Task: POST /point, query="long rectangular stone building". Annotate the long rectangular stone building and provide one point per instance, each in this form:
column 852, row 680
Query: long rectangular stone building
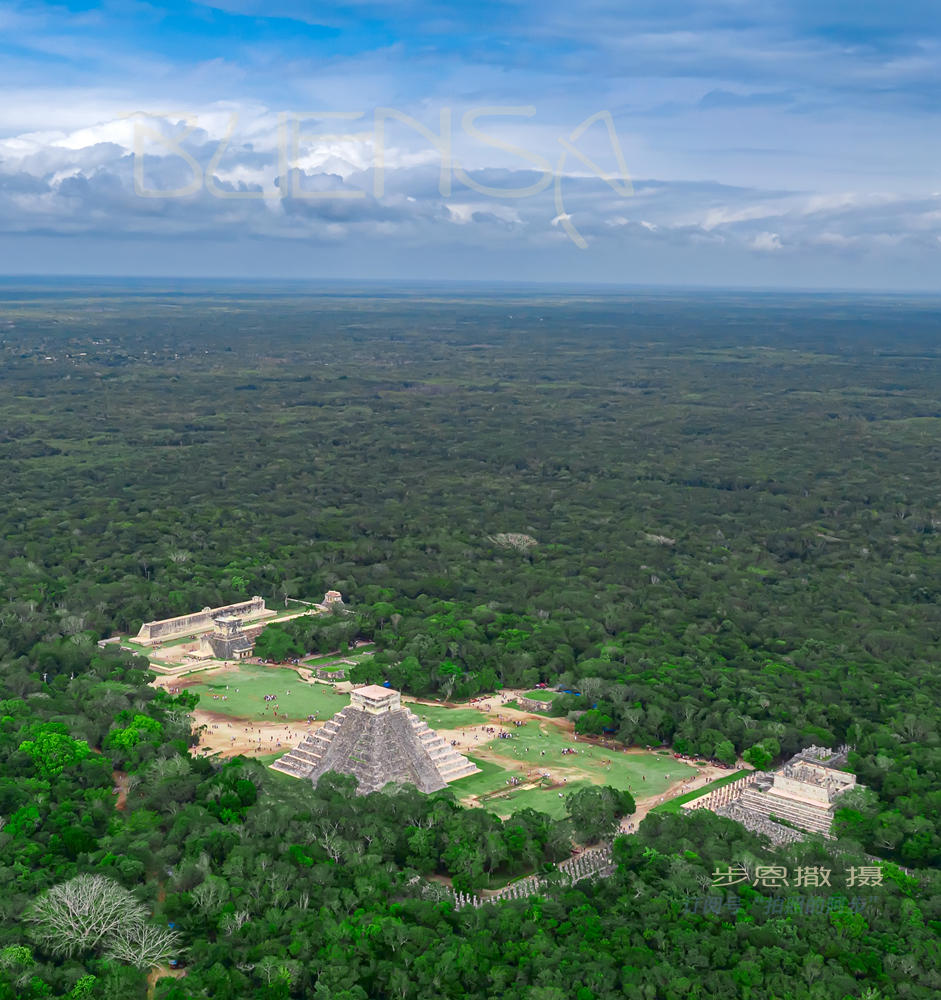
column 152, row 633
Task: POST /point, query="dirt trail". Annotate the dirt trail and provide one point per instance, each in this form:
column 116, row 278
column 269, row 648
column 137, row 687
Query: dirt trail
column 120, row 786
column 230, row 736
column 706, row 775
column 161, row 972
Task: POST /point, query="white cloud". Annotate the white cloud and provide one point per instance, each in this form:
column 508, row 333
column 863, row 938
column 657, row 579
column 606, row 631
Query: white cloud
column 82, row 180
column 766, row 241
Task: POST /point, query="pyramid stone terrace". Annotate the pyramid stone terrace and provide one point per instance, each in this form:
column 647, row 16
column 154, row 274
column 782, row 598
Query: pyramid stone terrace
column 803, row 792
column 228, row 641
column 378, row 741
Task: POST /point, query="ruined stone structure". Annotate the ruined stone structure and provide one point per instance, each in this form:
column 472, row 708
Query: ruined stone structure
column 803, row 793
column 153, row 633
column 378, row 741
column 595, row 863
column 332, row 601
column 228, row 641
column 534, row 704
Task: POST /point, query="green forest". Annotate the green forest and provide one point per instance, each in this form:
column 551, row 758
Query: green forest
column 713, row 518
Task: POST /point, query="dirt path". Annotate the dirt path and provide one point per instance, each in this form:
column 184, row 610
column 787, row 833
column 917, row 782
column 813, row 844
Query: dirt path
column 229, row 737
column 120, row 786
column 161, row 972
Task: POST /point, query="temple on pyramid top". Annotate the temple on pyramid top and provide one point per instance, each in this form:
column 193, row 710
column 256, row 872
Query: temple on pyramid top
column 378, row 741
column 375, row 699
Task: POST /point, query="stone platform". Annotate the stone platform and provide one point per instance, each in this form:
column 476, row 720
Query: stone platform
column 804, row 793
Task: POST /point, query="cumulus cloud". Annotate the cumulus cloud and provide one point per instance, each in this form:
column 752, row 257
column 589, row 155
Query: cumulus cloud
column 166, row 177
column 766, row 241
column 784, row 108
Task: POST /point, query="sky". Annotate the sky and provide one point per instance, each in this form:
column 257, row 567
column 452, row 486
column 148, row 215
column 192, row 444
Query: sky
column 637, row 142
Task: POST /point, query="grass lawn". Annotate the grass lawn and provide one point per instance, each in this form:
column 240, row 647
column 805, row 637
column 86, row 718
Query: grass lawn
column 543, row 694
column 363, row 653
column 490, row 778
column 674, row 805
column 641, row 774
column 183, row 640
column 544, row 800
column 253, row 682
column 439, row 717
column 581, row 769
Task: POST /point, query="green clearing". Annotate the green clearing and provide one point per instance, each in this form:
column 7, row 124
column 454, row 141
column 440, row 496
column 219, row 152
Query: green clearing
column 534, row 745
column 491, row 778
column 541, row 744
column 673, row 806
column 323, row 658
column 181, row 641
column 542, row 694
column 439, row 717
column 545, row 800
column 245, row 688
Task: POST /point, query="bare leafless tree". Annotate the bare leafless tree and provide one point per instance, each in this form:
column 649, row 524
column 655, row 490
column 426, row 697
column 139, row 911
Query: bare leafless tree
column 143, row 945
column 327, row 836
column 210, row 894
column 231, row 922
column 79, row 914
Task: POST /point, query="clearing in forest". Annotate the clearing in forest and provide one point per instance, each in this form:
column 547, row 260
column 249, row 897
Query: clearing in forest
column 533, row 754
column 239, row 692
column 238, row 719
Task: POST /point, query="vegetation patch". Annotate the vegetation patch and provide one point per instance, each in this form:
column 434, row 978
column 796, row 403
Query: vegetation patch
column 240, row 693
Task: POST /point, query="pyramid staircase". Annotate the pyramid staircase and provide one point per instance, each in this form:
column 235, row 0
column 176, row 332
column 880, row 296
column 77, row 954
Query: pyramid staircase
column 393, row 746
column 812, row 818
column 450, row 764
column 309, row 754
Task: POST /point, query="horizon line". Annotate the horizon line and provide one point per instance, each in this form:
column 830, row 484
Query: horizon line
column 481, row 284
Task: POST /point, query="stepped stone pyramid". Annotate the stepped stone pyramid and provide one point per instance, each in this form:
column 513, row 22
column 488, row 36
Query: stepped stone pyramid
column 377, row 740
column 805, row 792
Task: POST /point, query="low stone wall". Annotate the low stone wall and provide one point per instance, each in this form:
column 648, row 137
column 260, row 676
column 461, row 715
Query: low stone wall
column 595, row 863
column 531, row 705
column 174, row 628
column 330, row 675
column 723, row 796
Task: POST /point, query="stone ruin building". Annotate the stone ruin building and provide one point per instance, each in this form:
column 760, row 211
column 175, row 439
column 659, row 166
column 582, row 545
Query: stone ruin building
column 154, row 633
column 228, row 641
column 378, row 741
column 803, row 792
column 332, row 600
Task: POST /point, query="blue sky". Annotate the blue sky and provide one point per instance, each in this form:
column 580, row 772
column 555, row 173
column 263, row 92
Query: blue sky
column 734, row 142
